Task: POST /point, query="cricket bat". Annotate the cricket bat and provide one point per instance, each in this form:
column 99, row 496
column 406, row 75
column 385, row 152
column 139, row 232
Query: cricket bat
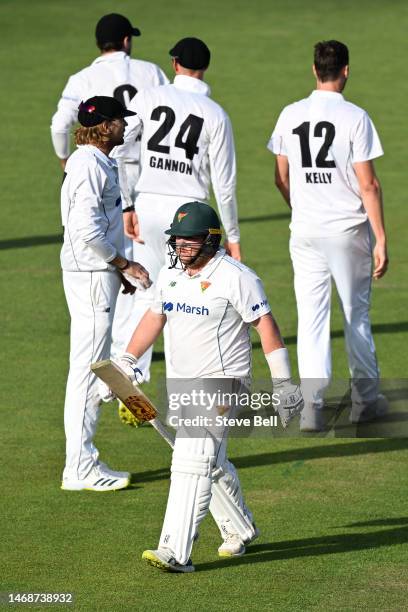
column 134, row 399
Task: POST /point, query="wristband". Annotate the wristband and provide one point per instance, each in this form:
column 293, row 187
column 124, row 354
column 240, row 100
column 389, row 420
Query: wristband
column 279, row 364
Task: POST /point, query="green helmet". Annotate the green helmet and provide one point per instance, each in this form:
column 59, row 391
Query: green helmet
column 195, row 219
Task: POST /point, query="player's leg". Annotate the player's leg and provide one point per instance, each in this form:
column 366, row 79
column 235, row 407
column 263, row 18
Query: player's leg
column 351, row 266
column 313, row 294
column 91, row 301
column 232, row 516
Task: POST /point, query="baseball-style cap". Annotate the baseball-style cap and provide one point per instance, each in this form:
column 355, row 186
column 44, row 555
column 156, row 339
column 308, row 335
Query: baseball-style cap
column 191, row 53
column 195, row 219
column 114, row 28
column 101, row 108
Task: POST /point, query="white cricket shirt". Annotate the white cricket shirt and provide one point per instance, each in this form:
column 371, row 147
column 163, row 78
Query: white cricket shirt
column 187, row 145
column 323, row 136
column 91, row 211
column 112, row 74
column 209, row 316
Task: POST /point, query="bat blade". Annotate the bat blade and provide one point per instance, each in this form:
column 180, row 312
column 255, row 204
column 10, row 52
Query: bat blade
column 133, row 398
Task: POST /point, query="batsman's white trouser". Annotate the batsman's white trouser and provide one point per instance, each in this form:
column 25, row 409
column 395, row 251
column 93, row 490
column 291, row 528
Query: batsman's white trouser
column 346, row 258
column 155, row 214
column 91, row 298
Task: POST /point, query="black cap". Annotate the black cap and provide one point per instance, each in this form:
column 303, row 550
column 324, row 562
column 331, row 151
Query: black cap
column 114, row 28
column 191, row 53
column 101, row 108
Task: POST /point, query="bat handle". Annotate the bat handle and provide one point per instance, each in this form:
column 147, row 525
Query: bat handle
column 160, row 428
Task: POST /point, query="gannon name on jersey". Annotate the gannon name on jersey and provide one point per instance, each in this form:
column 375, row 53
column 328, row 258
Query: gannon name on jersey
column 170, row 164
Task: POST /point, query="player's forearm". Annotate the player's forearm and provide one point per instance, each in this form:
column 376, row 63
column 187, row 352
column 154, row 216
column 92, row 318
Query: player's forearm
column 282, row 177
column 269, row 333
column 146, row 333
column 373, row 205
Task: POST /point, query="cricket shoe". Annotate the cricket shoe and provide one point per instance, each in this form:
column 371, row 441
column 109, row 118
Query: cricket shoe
column 115, row 474
column 97, row 480
column 312, row 419
column 233, row 546
column 127, row 417
column 370, row 412
column 163, row 558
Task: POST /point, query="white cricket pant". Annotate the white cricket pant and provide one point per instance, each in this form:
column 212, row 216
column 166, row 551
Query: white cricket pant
column 91, row 299
column 155, row 214
column 346, row 258
column 199, row 466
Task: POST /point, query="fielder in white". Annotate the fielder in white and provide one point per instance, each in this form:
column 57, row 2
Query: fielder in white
column 209, row 301
column 92, row 259
column 324, row 149
column 114, row 73
column 186, row 145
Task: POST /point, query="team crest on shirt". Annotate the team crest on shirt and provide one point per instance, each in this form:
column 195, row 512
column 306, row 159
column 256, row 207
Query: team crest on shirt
column 181, row 216
column 204, row 285
column 172, row 283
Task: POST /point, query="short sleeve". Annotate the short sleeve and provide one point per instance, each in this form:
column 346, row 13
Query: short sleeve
column 157, row 304
column 365, row 141
column 248, row 297
column 276, row 142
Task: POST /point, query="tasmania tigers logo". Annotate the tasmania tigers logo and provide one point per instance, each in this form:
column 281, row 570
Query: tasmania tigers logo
column 181, row 216
column 204, row 285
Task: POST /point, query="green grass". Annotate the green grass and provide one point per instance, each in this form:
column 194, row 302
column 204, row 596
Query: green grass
column 332, row 512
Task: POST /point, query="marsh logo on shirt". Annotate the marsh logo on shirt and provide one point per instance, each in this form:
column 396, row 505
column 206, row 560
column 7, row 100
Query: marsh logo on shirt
column 167, row 306
column 256, row 307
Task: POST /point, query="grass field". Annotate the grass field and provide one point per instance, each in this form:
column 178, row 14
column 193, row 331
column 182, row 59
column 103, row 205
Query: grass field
column 333, row 512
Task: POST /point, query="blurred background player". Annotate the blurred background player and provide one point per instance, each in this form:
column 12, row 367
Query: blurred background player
column 209, row 301
column 324, row 149
column 186, row 146
column 114, row 73
column 92, row 263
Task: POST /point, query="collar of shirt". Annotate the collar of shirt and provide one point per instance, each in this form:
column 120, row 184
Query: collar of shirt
column 323, row 93
column 110, row 57
column 182, row 81
column 209, row 267
column 98, row 153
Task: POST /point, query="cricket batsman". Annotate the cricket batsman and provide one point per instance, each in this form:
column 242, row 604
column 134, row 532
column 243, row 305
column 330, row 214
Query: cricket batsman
column 209, row 301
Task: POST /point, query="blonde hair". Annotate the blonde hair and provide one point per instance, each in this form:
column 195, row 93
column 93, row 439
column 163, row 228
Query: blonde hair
column 96, row 135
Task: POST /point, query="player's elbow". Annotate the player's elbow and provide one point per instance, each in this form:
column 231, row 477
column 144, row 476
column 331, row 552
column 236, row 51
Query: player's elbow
column 370, row 187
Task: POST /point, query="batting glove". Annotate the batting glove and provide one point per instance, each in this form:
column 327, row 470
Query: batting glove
column 128, row 363
column 290, row 400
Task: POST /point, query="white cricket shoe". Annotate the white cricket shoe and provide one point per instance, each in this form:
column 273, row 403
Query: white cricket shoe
column 233, row 546
column 370, row 412
column 312, row 418
column 115, row 474
column 97, row 480
column 163, row 558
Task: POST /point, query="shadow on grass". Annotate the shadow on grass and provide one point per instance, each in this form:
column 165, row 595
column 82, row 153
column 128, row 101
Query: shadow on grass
column 261, row 218
column 321, row 452
column 30, row 241
column 314, row 547
column 291, row 455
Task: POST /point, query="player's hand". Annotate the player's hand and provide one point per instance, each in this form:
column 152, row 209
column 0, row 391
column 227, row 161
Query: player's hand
column 105, row 393
column 290, row 400
column 131, row 226
column 380, row 257
column 233, row 249
column 128, row 288
column 138, row 272
column 128, row 363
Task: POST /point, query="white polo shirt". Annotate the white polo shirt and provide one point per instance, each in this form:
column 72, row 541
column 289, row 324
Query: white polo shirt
column 323, row 136
column 187, row 145
column 209, row 316
column 111, row 74
column 91, row 211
